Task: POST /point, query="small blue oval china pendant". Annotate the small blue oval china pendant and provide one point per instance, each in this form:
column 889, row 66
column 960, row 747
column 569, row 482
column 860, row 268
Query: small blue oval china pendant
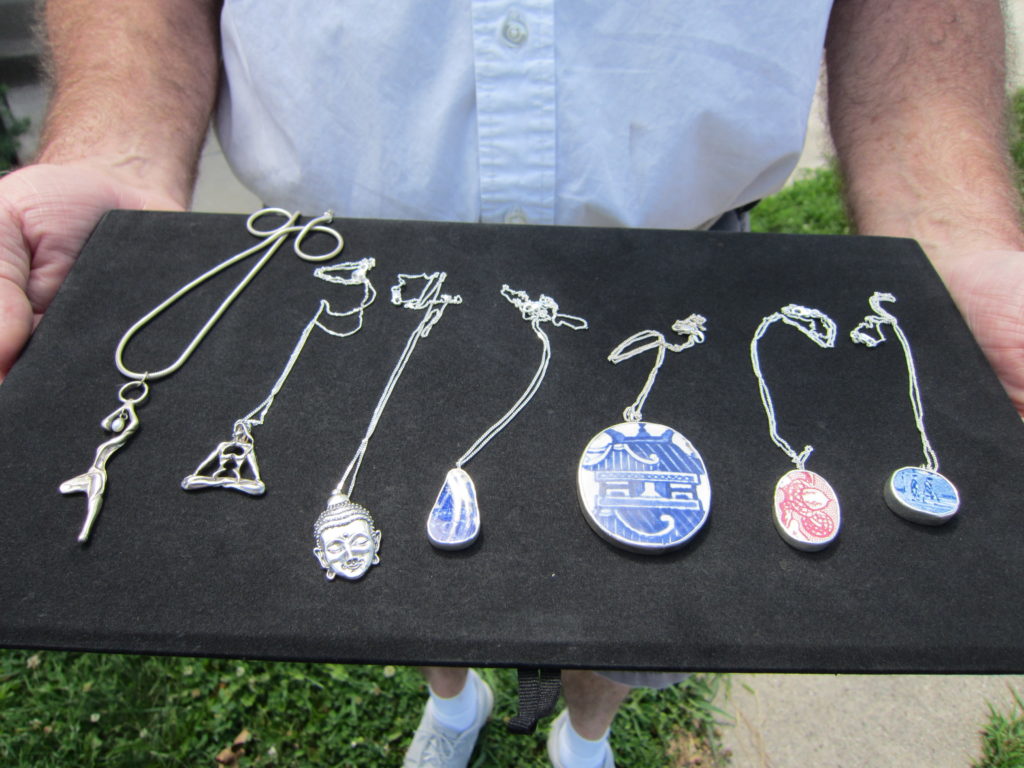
column 454, row 521
column 921, row 496
column 643, row 487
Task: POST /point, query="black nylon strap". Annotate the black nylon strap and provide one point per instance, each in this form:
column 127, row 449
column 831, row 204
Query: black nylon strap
column 538, row 693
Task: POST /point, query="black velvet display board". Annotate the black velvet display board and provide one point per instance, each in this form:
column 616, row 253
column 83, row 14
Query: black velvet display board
column 219, row 573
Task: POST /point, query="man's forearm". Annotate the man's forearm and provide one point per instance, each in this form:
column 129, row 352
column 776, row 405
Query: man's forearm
column 917, row 110
column 134, row 86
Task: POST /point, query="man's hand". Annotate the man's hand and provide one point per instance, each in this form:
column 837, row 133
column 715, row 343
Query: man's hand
column 46, row 213
column 988, row 287
column 917, row 109
column 134, row 84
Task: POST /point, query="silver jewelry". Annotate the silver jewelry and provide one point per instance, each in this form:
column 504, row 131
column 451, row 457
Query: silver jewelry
column 919, row 494
column 806, row 508
column 232, row 464
column 642, row 485
column 346, row 539
column 123, row 421
column 454, row 520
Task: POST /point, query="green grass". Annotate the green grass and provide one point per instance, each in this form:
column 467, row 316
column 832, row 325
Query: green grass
column 812, row 204
column 1003, row 737
column 61, row 709
column 1017, row 135
column 10, row 130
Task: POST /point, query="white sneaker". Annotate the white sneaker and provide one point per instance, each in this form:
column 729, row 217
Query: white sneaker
column 436, row 746
column 560, row 722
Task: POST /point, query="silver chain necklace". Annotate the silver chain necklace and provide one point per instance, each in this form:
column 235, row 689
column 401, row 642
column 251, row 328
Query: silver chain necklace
column 454, row 520
column 346, row 539
column 806, row 509
column 123, row 421
column 919, row 494
column 232, row 464
column 642, row 485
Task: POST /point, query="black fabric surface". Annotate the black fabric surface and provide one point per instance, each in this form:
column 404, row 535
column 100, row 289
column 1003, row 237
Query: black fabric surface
column 220, row 573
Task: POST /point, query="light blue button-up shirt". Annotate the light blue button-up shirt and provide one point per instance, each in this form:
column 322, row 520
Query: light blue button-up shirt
column 642, row 113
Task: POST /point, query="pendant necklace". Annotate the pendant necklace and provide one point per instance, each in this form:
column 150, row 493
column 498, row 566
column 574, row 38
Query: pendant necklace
column 919, row 494
column 347, row 541
column 806, row 508
column 123, row 421
column 642, row 485
column 232, row 464
column 454, row 520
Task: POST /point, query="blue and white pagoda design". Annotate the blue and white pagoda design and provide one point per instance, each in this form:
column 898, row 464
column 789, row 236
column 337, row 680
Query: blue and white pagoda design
column 644, row 487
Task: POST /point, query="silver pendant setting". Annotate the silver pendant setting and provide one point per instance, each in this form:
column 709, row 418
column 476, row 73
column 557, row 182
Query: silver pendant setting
column 232, row 464
column 123, row 422
column 347, row 542
column 643, row 487
column 921, row 496
column 806, row 510
column 454, row 521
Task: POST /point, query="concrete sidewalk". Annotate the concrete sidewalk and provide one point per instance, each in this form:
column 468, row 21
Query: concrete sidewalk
column 848, row 721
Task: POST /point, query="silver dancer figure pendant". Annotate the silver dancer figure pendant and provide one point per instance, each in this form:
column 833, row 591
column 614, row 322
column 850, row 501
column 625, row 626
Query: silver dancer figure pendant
column 918, row 494
column 642, row 485
column 124, row 423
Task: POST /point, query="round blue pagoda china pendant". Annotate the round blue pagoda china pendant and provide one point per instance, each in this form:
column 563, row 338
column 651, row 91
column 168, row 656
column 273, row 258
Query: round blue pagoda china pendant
column 454, row 520
column 643, row 487
column 921, row 496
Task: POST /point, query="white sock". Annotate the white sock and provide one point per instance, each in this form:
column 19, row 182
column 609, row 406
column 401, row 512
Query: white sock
column 458, row 712
column 578, row 752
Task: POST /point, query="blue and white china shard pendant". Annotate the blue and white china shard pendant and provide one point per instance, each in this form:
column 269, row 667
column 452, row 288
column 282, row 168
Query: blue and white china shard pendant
column 918, row 494
column 921, row 496
column 644, row 487
column 454, row 521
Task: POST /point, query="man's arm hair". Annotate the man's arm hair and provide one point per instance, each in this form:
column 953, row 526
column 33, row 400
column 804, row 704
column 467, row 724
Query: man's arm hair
column 134, row 84
column 917, row 107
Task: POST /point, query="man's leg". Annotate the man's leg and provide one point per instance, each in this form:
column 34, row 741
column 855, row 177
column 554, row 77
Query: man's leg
column 458, row 707
column 592, row 701
column 446, row 682
column 579, row 736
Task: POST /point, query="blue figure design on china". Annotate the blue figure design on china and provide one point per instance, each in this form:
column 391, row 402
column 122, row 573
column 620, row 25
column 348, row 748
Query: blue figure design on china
column 922, row 496
column 918, row 494
column 644, row 487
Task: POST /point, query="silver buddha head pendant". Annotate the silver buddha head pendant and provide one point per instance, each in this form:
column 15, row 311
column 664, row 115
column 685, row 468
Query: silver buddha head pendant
column 346, row 540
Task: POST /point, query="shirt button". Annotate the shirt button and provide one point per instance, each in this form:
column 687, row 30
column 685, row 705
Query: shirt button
column 516, row 216
column 514, row 30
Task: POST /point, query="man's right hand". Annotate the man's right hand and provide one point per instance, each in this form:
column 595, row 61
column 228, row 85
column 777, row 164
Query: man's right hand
column 46, row 214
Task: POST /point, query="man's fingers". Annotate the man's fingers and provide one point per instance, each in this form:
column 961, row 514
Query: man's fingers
column 16, row 324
